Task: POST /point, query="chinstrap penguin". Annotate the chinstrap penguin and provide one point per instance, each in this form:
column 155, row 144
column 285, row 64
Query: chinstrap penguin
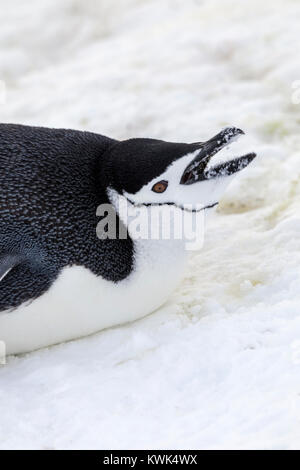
column 58, row 279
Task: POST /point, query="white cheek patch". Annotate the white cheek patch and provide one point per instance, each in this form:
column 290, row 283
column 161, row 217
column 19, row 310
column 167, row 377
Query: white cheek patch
column 194, row 196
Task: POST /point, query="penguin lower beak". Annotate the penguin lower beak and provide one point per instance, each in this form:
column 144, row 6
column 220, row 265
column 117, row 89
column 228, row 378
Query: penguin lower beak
column 197, row 169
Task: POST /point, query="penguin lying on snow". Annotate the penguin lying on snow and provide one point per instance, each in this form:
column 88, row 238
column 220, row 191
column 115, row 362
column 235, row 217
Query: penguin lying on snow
column 58, row 280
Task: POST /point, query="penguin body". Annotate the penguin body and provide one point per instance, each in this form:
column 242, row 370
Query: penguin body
column 58, row 279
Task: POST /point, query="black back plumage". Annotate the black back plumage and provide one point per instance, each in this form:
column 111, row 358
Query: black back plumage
column 49, row 192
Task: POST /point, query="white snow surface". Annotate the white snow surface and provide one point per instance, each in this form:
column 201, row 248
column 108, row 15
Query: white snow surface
column 219, row 365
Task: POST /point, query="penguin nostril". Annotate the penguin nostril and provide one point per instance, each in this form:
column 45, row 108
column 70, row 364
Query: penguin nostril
column 187, row 176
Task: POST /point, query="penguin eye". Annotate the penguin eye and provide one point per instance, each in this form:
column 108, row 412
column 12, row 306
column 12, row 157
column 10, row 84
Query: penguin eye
column 160, row 187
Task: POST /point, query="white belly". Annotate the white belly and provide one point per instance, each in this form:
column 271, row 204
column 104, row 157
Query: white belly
column 80, row 303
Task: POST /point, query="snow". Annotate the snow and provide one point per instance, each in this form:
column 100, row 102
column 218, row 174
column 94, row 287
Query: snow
column 218, row 366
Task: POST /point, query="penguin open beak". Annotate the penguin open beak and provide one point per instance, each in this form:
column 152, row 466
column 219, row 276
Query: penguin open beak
column 197, row 169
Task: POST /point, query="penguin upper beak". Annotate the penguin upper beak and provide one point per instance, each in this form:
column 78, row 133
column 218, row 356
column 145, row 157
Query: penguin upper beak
column 196, row 170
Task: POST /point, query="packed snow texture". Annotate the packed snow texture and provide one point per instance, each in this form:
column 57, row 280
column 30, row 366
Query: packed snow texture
column 219, row 365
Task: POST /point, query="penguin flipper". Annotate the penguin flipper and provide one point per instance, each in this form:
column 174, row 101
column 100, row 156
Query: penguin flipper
column 23, row 278
column 8, row 262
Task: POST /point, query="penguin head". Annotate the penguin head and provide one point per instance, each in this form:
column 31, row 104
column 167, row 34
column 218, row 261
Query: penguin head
column 150, row 172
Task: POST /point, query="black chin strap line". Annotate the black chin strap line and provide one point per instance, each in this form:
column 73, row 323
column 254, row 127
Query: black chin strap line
column 147, row 204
